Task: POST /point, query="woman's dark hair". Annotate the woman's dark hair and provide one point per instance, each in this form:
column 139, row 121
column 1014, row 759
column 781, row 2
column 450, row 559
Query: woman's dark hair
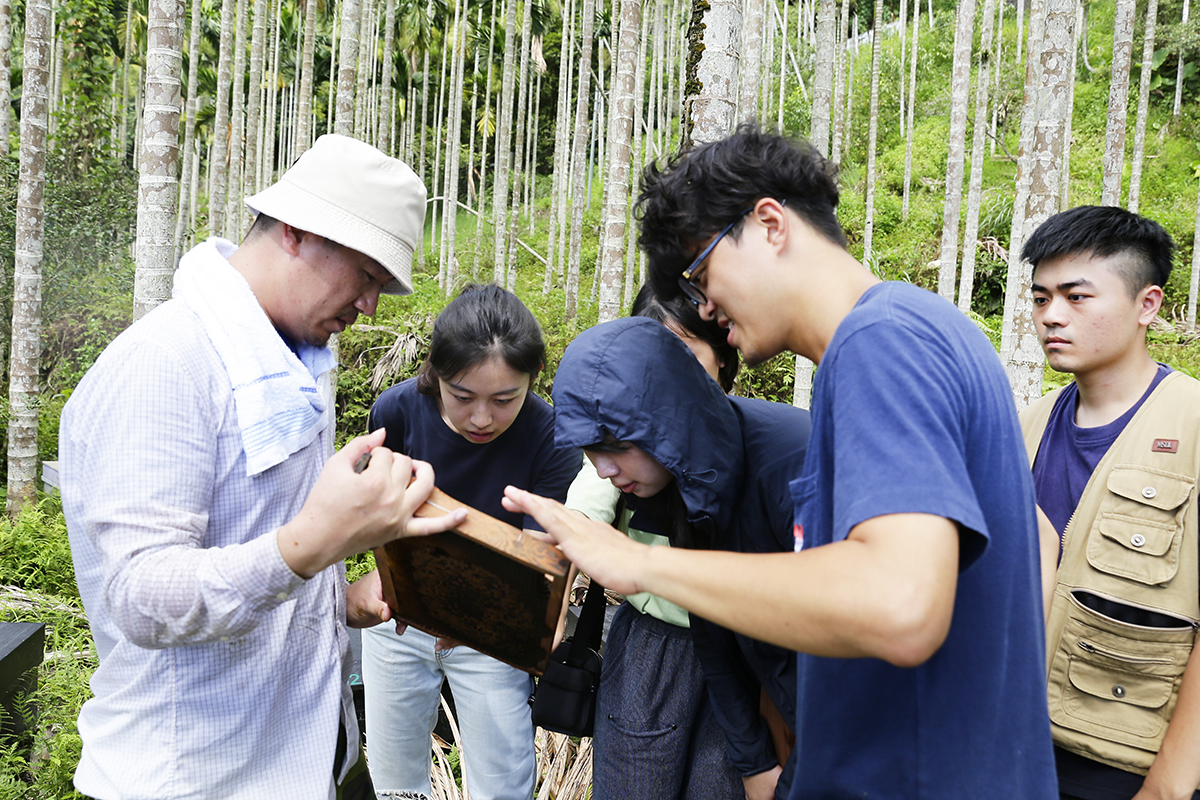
column 482, row 322
column 682, row 533
column 680, row 312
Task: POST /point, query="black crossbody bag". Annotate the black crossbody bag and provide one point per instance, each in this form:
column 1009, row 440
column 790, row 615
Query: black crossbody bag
column 564, row 699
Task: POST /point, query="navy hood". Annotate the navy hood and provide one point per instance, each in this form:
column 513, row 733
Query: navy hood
column 636, row 380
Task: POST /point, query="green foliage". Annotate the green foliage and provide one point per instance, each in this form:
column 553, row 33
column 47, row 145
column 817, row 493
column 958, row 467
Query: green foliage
column 35, row 556
column 34, row 551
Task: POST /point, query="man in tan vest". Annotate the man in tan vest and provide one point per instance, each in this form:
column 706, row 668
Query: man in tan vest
column 1115, row 457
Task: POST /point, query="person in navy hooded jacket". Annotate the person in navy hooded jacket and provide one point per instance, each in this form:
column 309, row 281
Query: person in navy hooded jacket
column 707, row 471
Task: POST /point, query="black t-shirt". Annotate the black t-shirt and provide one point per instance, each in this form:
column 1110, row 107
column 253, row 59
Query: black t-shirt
column 524, row 456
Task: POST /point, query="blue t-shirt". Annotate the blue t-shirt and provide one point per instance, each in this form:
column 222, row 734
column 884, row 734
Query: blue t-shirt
column 524, row 456
column 912, row 413
column 1068, row 454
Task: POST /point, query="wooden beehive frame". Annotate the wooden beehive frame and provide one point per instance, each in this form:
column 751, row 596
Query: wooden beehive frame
column 486, row 584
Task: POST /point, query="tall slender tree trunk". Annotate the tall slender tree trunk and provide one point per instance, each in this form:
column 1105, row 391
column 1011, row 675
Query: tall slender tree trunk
column 912, row 102
column 751, row 68
column 839, row 105
column 383, row 139
column 347, row 68
column 1064, row 192
column 366, row 49
column 27, row 273
column 1038, row 180
column 158, row 188
column 504, row 146
column 271, row 128
column 709, row 111
column 1118, row 103
column 187, row 194
column 639, row 150
column 454, row 137
column 978, row 143
column 6, row 76
column 486, row 129
column 307, row 78
column 254, row 104
column 235, row 210
column 616, row 207
column 822, row 104
column 1143, row 109
column 783, row 57
column 960, row 95
column 330, row 109
column 872, row 138
column 561, row 151
column 903, row 31
column 219, row 168
column 514, row 214
column 1179, row 68
column 579, row 157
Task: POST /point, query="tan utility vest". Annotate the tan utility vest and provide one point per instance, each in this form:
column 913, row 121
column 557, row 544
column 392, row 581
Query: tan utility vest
column 1112, row 684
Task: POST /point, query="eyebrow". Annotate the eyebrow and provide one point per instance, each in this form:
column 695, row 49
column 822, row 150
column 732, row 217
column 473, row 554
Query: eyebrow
column 1065, row 285
column 465, row 390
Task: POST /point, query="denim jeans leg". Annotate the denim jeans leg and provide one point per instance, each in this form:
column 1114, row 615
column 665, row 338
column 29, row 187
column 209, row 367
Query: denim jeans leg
column 491, row 702
column 402, row 682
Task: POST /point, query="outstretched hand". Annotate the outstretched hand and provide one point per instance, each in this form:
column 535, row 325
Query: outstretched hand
column 610, row 557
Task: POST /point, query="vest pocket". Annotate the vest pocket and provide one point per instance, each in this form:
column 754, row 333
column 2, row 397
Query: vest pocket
column 1114, row 681
column 1138, row 530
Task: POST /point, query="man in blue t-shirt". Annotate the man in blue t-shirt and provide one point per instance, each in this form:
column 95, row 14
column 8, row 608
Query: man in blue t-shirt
column 1128, row 575
column 914, row 596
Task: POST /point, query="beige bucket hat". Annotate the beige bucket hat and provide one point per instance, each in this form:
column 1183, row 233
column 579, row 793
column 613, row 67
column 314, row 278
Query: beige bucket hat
column 349, row 192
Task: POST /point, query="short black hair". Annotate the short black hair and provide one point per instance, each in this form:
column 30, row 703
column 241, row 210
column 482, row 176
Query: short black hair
column 679, row 311
column 482, row 322
column 1105, row 231
column 702, row 190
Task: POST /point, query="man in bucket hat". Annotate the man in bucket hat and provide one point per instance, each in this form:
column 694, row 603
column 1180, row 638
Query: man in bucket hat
column 208, row 522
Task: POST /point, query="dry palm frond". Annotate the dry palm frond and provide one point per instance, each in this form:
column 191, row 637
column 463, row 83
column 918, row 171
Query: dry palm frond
column 404, row 351
column 564, row 766
column 14, row 597
column 579, row 779
column 442, row 780
column 991, row 245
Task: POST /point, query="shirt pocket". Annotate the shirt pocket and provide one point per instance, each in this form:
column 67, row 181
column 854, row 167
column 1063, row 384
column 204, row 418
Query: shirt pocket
column 1116, row 681
column 804, row 491
column 1139, row 528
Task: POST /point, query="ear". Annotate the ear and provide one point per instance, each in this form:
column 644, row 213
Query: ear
column 768, row 212
column 290, row 238
column 1150, row 301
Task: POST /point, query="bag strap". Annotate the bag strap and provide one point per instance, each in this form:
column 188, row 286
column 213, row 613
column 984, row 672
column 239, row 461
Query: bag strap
column 589, row 630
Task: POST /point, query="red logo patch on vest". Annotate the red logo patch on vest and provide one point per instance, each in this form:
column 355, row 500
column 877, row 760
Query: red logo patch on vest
column 798, row 532
column 1165, row 446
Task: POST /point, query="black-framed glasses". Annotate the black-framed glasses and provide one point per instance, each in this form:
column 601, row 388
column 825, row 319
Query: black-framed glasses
column 690, row 290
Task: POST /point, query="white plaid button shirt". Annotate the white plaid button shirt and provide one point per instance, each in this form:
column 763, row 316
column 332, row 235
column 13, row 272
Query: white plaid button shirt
column 222, row 673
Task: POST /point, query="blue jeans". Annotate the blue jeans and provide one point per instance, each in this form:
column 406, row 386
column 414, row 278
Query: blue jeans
column 402, row 681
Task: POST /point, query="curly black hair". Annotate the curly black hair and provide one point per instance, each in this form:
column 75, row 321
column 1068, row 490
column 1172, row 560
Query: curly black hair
column 702, row 190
